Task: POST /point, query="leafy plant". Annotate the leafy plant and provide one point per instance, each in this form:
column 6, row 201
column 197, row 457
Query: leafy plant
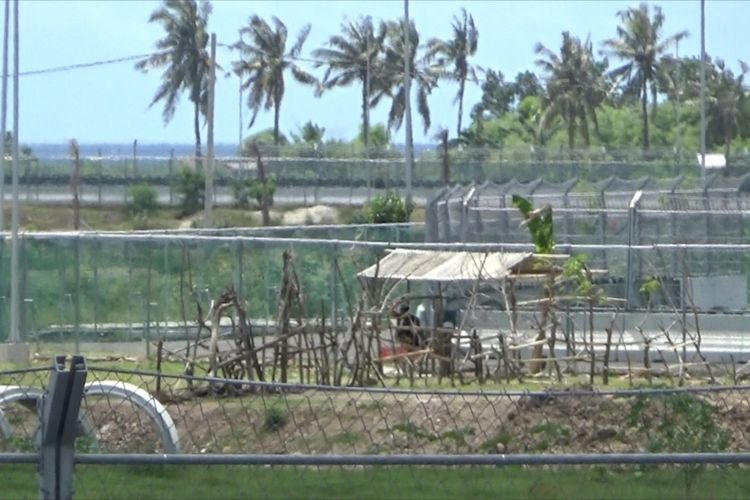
column 650, row 287
column 257, row 189
column 379, row 137
column 389, row 208
column 21, row 444
column 275, row 419
column 575, row 270
column 413, row 430
column 459, row 436
column 539, row 222
column 347, row 438
column 550, row 433
column 142, row 201
column 191, row 186
column 680, row 423
column 492, row 445
column 310, row 133
column 241, row 193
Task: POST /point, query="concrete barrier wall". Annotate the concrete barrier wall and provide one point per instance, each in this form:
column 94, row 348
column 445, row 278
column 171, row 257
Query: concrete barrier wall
column 625, row 322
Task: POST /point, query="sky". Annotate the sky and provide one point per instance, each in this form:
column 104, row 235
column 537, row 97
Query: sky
column 110, row 103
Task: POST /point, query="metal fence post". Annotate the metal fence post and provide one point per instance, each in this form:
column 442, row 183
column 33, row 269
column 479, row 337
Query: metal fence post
column 467, row 200
column 77, row 296
column 100, row 176
column 171, row 177
column 59, row 420
column 238, row 264
column 334, row 288
column 633, row 236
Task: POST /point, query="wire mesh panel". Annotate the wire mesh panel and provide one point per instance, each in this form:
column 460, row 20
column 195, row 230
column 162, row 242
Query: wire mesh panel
column 276, row 440
column 215, row 416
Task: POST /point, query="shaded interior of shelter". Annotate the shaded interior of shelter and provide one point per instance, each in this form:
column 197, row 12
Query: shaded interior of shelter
column 444, row 283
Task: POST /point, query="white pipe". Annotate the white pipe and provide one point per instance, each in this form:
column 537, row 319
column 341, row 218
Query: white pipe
column 208, row 195
column 407, row 98
column 703, row 92
column 15, row 271
column 4, row 113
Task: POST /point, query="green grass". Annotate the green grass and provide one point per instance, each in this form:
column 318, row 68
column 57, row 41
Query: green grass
column 385, row 482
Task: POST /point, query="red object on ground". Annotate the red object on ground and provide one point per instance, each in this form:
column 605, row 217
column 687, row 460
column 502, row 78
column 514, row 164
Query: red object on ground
column 387, row 350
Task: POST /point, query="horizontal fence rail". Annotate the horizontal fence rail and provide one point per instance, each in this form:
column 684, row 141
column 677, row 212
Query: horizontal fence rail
column 230, row 422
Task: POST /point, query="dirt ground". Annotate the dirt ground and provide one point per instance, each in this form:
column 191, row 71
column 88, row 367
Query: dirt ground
column 356, row 422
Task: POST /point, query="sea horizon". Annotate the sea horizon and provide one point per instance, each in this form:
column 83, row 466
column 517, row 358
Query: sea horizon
column 145, row 150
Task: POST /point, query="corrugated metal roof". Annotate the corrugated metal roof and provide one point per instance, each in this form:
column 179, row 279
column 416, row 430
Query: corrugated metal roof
column 429, row 265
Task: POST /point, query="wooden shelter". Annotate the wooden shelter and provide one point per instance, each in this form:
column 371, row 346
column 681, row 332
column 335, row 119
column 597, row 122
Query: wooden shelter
column 433, row 266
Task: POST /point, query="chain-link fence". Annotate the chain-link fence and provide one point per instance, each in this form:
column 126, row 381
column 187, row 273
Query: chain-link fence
column 668, row 210
column 305, row 174
column 618, row 216
column 118, row 287
column 123, row 428
column 125, row 286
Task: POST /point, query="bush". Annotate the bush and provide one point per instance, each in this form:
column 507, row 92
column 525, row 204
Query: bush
column 275, row 419
column 142, row 201
column 191, row 186
column 389, row 208
column 241, row 193
column 257, row 188
column 246, row 189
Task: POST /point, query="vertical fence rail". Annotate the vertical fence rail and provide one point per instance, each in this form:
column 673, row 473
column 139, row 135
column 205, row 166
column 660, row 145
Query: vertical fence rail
column 59, row 420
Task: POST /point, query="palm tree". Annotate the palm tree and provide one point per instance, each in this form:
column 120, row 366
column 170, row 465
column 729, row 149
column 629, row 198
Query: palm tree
column 423, row 74
column 183, row 55
column 528, row 126
column 497, row 96
column 354, row 56
column 310, row 133
column 575, row 86
column 265, row 60
column 726, row 97
column 456, row 52
column 639, row 42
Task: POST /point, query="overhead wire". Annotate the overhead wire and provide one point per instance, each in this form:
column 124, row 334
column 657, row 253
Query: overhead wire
column 70, row 67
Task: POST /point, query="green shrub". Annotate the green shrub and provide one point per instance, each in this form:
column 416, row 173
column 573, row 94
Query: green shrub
column 246, row 189
column 191, row 186
column 389, row 208
column 241, row 193
column 275, row 419
column 679, row 423
column 142, row 201
column 257, row 188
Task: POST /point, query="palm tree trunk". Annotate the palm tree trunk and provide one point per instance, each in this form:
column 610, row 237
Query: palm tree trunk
column 571, row 131
column 446, row 174
column 644, row 111
column 276, row 110
column 197, row 128
column 365, row 117
column 460, row 106
column 727, row 142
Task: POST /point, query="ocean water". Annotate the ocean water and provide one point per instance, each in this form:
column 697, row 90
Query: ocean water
column 50, row 151
column 125, row 150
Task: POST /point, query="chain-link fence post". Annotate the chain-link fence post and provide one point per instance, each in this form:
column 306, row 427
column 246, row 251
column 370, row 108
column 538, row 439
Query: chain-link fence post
column 59, row 420
column 633, row 239
column 334, row 287
column 171, row 179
